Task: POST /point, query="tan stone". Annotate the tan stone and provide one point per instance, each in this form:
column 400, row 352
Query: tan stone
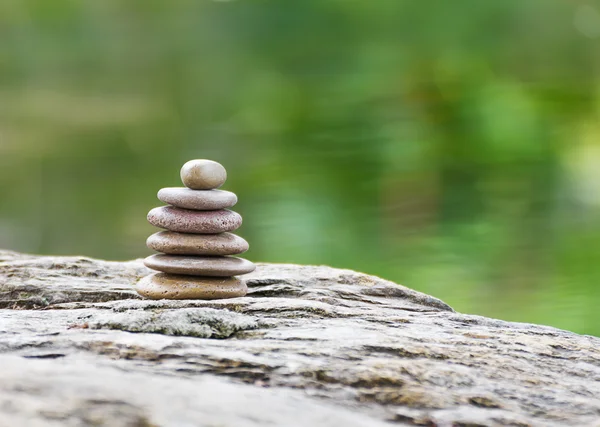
column 201, row 200
column 171, row 242
column 169, row 286
column 200, row 265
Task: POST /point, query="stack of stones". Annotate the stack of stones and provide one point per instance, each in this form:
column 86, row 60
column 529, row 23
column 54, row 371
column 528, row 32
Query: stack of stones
column 196, row 261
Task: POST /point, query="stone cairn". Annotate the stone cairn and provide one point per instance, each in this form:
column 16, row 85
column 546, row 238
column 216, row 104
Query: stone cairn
column 196, row 261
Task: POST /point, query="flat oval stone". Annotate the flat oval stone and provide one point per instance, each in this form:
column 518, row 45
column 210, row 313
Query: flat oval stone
column 200, row 222
column 169, row 286
column 201, row 200
column 202, row 174
column 171, row 242
column 200, row 265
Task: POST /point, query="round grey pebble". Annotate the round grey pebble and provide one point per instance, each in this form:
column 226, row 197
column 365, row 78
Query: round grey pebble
column 200, row 266
column 198, row 222
column 201, row 200
column 203, row 174
column 171, row 242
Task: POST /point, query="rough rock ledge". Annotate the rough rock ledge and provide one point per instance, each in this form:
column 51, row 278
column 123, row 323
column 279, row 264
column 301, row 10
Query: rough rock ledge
column 308, row 346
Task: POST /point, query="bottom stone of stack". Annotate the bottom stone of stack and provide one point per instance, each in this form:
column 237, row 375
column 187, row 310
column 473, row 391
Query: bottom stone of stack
column 171, row 286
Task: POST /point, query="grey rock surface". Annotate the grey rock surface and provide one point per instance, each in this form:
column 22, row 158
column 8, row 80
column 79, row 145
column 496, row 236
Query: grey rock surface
column 308, row 346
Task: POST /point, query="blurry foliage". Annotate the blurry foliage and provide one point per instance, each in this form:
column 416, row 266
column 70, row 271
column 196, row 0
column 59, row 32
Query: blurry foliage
column 452, row 146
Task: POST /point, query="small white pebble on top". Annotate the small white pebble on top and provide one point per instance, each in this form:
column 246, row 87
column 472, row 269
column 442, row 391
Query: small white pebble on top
column 203, row 174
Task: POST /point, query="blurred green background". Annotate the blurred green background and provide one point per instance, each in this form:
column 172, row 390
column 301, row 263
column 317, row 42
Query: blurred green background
column 451, row 146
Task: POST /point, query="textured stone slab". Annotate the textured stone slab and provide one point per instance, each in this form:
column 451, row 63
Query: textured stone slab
column 200, row 266
column 171, row 242
column 307, row 346
column 168, row 286
column 202, row 200
column 79, row 391
column 188, row 221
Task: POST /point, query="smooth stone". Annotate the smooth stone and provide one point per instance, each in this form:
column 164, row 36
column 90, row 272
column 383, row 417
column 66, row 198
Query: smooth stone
column 203, row 174
column 169, row 286
column 200, row 265
column 199, row 222
column 171, row 242
column 201, row 200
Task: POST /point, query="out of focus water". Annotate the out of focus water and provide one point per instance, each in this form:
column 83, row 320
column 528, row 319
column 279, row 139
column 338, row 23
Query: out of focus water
column 453, row 147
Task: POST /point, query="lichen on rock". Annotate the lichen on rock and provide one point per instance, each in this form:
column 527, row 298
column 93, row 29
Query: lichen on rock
column 201, row 322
